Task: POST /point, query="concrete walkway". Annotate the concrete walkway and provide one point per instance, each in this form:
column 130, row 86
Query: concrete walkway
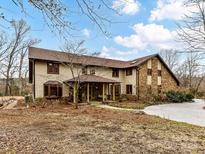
column 11, row 105
column 192, row 113
column 115, row 108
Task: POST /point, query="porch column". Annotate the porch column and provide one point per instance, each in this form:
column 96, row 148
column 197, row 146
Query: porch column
column 74, row 93
column 103, row 92
column 91, row 92
column 69, row 90
column 88, row 93
column 113, row 92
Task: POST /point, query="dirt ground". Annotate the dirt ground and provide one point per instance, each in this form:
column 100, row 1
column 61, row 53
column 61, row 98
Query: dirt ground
column 88, row 129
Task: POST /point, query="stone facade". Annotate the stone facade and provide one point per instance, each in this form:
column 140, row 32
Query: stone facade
column 167, row 80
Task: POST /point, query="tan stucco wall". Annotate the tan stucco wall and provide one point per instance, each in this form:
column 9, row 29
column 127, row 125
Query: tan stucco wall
column 41, row 77
column 131, row 79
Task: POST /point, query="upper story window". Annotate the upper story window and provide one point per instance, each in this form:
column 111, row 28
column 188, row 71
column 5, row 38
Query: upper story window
column 52, row 68
column 84, row 71
column 149, row 72
column 115, row 72
column 159, row 72
column 92, row 71
column 128, row 71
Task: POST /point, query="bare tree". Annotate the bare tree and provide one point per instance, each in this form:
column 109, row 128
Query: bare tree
column 23, row 68
column 171, row 58
column 191, row 31
column 74, row 52
column 191, row 72
column 15, row 45
column 57, row 13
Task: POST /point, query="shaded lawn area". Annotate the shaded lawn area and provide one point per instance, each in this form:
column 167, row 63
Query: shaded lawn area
column 94, row 130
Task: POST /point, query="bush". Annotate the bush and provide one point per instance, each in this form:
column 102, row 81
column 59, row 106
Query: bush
column 189, row 97
column 179, row 97
column 127, row 97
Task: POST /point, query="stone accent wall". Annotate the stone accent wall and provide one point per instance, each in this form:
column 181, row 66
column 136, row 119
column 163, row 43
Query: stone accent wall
column 167, row 81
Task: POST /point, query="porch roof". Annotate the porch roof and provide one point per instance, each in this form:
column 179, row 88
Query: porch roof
column 52, row 83
column 92, row 78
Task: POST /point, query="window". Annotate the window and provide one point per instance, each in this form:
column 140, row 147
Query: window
column 52, row 90
column 115, row 72
column 92, row 71
column 129, row 72
column 31, row 71
column 117, row 90
column 52, row 68
column 159, row 89
column 159, row 73
column 84, row 71
column 149, row 72
column 128, row 89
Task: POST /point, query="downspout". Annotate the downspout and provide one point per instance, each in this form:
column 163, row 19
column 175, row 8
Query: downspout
column 138, row 83
column 34, row 80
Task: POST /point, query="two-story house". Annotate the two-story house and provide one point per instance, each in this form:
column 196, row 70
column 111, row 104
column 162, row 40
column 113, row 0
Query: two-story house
column 55, row 74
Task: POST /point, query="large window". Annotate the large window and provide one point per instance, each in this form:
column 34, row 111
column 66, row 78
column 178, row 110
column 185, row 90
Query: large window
column 52, row 68
column 52, row 90
column 128, row 89
column 115, row 72
column 129, row 72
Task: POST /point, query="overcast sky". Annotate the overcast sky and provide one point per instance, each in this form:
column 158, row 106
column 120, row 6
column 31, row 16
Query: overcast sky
column 145, row 27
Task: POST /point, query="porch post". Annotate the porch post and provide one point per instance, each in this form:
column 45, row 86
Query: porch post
column 68, row 90
column 113, row 92
column 91, row 92
column 74, row 93
column 88, row 93
column 103, row 90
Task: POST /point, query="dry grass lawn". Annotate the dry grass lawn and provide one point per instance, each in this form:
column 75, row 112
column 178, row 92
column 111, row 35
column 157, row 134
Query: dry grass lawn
column 63, row 129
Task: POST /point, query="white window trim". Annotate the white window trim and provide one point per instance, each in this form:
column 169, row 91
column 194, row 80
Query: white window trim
column 149, row 64
column 159, row 66
column 149, row 80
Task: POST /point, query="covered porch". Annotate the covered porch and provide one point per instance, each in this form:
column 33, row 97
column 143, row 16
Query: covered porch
column 88, row 88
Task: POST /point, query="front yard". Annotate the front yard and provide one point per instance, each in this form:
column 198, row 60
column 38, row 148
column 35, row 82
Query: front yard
column 94, row 130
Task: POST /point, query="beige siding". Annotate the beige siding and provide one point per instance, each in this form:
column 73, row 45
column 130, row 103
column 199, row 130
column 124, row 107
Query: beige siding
column 41, row 76
column 131, row 79
column 167, row 81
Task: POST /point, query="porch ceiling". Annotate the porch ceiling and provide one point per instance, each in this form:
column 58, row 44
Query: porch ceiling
column 92, row 78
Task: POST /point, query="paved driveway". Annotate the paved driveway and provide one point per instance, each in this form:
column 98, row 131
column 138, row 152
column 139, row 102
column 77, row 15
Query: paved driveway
column 192, row 113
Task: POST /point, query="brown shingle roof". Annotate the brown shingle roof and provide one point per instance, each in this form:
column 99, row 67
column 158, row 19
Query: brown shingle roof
column 53, row 83
column 92, row 78
column 52, row 55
